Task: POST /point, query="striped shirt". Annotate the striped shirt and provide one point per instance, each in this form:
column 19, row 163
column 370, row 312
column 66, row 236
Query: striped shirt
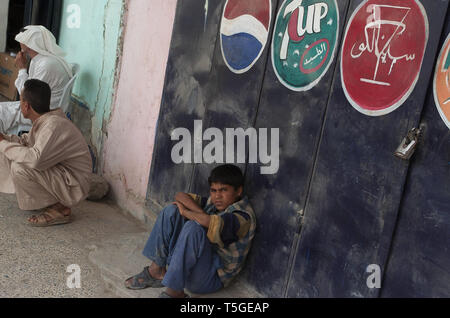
column 232, row 232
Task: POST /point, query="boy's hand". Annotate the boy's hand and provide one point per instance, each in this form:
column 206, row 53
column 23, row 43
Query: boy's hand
column 188, row 202
column 201, row 218
column 181, row 208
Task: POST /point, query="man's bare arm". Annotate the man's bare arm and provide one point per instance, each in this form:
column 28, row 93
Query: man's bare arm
column 200, row 217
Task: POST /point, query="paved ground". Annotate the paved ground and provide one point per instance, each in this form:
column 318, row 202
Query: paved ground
column 104, row 241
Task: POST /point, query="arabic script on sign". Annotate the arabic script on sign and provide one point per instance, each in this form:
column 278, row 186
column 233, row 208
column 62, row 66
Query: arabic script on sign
column 379, row 36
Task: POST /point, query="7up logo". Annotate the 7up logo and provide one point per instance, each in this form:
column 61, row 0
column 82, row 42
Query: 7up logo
column 304, row 43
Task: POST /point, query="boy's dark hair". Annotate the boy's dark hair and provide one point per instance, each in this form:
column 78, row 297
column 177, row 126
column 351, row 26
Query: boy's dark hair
column 38, row 94
column 227, row 174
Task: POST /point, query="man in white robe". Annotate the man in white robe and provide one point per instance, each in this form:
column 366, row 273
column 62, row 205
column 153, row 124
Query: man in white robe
column 49, row 168
column 47, row 64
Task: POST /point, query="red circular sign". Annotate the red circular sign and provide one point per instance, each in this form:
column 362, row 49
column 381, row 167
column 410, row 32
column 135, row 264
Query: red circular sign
column 382, row 54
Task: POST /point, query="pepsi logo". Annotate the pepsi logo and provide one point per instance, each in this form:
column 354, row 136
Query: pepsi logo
column 244, row 32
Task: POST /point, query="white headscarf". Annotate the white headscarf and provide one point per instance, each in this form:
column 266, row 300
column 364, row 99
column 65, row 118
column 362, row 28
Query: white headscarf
column 41, row 40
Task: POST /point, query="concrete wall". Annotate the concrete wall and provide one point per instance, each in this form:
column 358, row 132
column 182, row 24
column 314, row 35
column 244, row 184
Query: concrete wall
column 122, row 47
column 128, row 148
column 94, row 43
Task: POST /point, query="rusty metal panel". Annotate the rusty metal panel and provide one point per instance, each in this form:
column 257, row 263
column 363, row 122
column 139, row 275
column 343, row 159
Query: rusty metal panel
column 358, row 182
column 233, row 101
column 331, row 208
column 280, row 198
column 188, row 71
column 232, row 95
column 419, row 265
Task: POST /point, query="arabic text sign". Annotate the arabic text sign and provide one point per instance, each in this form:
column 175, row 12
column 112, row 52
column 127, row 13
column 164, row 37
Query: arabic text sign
column 382, row 54
column 304, row 42
column 442, row 83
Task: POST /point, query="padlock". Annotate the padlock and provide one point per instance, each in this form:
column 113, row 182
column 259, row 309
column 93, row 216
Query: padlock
column 409, row 144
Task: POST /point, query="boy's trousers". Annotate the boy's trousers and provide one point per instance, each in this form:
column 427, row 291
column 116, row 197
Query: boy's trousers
column 184, row 247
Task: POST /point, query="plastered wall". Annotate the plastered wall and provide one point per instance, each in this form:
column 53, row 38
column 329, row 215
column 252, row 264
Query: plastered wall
column 128, row 148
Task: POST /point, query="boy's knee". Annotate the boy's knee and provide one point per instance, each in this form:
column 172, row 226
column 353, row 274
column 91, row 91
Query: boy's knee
column 170, row 211
column 18, row 170
column 193, row 228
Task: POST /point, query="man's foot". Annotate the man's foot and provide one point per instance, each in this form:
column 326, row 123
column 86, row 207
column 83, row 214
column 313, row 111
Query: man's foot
column 61, row 208
column 143, row 280
column 54, row 215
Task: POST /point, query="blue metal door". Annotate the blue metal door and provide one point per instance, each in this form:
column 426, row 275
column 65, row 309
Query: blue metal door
column 340, row 200
column 419, row 260
column 357, row 187
column 188, row 72
column 279, row 199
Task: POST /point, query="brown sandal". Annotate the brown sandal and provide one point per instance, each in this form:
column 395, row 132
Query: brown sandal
column 50, row 217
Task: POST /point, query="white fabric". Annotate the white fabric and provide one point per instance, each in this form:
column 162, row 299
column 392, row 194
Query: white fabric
column 49, row 70
column 41, row 40
column 48, row 66
column 45, row 68
column 10, row 115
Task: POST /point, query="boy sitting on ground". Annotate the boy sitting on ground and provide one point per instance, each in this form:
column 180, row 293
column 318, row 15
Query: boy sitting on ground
column 197, row 243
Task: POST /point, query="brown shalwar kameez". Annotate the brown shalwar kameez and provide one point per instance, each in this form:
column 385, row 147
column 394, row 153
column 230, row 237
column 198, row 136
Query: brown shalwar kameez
column 50, row 165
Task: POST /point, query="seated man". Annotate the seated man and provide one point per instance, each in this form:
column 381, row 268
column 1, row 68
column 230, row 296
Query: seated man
column 49, row 167
column 47, row 64
column 202, row 242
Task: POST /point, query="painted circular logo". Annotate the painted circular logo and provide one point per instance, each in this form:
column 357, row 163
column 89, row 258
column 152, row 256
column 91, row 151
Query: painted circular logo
column 304, row 42
column 442, row 83
column 244, row 32
column 382, row 54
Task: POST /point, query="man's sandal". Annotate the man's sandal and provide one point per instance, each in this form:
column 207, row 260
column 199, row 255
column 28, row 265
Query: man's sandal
column 142, row 281
column 50, row 217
